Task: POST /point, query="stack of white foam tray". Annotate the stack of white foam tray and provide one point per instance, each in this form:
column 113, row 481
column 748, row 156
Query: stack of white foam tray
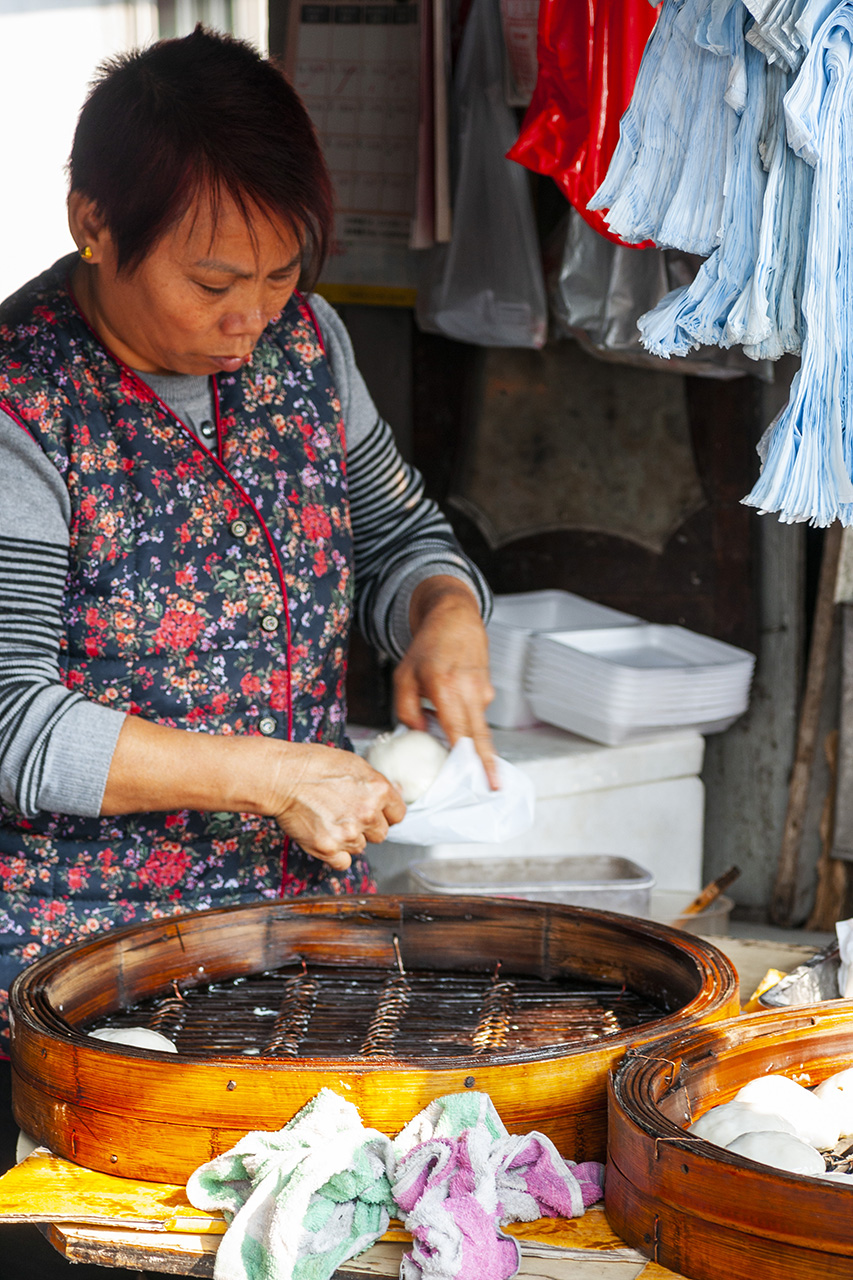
column 618, row 684
column 514, row 622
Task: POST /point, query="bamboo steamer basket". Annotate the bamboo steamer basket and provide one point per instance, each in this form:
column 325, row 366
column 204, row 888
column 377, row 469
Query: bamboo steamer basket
column 158, row 1116
column 698, row 1209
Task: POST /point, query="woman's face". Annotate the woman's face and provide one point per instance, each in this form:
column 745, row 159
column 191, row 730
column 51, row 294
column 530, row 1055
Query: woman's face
column 200, row 299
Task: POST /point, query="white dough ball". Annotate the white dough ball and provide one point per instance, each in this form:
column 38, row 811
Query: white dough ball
column 837, row 1093
column 722, row 1124
column 136, row 1037
column 411, row 760
column 781, row 1150
column 812, row 1118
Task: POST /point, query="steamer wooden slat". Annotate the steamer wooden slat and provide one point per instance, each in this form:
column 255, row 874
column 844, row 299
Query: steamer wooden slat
column 155, row 1116
column 703, row 1210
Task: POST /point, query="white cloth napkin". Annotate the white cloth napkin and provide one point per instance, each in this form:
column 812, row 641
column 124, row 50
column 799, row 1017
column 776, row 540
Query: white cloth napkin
column 461, row 806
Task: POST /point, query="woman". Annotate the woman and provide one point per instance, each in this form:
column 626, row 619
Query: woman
column 182, row 436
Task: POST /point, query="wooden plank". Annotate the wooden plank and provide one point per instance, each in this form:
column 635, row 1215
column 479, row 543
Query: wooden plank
column 583, row 1248
column 842, row 844
column 194, row 1256
column 180, row 1255
column 784, row 890
column 831, row 871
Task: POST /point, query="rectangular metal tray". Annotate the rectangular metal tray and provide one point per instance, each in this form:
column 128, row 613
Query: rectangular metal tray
column 603, row 881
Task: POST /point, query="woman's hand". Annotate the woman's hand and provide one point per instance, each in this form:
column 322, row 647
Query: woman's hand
column 448, row 663
column 332, row 802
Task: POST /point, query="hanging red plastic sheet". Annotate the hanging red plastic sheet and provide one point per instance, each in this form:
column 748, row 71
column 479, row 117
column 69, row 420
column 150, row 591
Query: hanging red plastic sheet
column 589, row 53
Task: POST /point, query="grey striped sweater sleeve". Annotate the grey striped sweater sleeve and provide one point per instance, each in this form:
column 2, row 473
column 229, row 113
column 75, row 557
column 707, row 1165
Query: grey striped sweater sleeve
column 39, row 718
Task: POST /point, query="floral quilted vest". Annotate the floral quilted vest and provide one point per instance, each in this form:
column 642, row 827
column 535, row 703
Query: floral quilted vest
column 210, row 588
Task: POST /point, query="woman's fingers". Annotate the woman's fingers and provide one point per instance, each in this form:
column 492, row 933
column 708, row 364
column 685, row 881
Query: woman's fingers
column 337, row 861
column 460, row 709
column 336, row 803
column 447, row 662
column 407, row 697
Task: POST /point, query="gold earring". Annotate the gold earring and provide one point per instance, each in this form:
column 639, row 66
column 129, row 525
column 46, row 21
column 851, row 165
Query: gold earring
column 86, row 252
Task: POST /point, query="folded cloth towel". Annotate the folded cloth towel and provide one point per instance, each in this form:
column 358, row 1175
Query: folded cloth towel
column 300, row 1201
column 461, row 1175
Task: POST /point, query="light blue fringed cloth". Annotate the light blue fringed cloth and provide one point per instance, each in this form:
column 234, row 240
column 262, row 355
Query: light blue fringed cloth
column 738, row 144
column 808, row 460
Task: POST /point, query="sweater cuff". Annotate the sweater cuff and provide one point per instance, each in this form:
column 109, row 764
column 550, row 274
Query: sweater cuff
column 399, row 626
column 78, row 760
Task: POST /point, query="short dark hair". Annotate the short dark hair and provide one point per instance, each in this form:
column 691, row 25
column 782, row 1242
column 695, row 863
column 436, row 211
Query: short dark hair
column 202, row 115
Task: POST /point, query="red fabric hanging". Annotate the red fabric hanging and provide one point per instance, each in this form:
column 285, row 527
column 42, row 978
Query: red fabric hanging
column 589, row 53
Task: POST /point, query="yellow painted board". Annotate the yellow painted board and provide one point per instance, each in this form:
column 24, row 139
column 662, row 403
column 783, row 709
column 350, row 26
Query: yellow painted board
column 592, row 1232
column 45, row 1188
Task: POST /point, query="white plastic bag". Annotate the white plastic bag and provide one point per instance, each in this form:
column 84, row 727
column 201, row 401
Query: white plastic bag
column 486, row 285
column 460, row 805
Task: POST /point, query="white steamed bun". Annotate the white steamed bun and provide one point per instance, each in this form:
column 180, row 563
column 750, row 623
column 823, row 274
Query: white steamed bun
column 411, row 760
column 812, row 1117
column 722, row 1124
column 837, row 1092
column 781, row 1150
column 136, row 1038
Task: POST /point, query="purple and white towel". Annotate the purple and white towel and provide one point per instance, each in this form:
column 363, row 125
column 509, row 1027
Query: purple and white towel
column 461, row 1177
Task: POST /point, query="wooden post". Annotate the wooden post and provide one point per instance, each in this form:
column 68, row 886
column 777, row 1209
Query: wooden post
column 784, row 891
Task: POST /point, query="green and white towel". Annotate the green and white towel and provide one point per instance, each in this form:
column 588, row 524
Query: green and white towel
column 300, row 1201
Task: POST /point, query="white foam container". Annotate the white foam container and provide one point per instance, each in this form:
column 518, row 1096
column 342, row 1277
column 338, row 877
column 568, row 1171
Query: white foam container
column 617, row 685
column 618, row 731
column 518, row 617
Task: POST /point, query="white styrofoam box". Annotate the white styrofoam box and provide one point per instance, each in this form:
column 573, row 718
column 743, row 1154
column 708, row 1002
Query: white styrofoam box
column 528, row 611
column 647, row 647
column 643, row 801
column 514, row 620
column 510, row 708
column 616, row 731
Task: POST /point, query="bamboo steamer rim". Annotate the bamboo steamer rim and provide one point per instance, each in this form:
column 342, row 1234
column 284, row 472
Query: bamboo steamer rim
column 33, row 1013
column 701, row 1197
column 157, row 1116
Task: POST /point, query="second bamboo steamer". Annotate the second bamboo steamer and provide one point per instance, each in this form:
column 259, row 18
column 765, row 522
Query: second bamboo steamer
column 699, row 1209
